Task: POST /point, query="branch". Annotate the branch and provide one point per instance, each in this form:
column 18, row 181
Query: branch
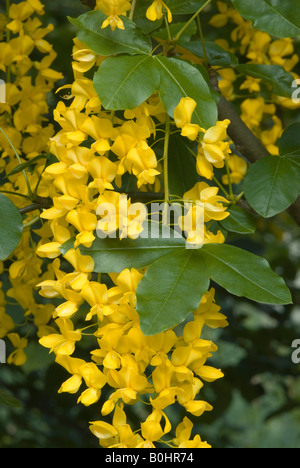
column 40, row 204
column 244, row 139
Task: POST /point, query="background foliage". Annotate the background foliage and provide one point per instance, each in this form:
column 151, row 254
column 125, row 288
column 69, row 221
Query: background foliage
column 256, row 404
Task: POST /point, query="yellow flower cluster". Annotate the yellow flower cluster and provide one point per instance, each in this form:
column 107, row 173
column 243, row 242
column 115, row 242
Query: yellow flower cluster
column 25, row 66
column 116, row 8
column 96, row 149
column 260, row 48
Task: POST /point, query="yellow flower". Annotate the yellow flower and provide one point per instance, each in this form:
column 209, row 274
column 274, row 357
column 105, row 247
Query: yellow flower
column 97, row 297
column 129, row 383
column 64, row 343
column 209, row 311
column 126, row 285
column 183, row 434
column 95, row 381
column 152, row 430
column 103, row 172
column 209, row 374
column 183, row 116
column 126, row 437
column 156, row 11
column 270, row 138
column 86, row 223
column 192, row 224
column 72, row 365
column 106, row 433
column 213, row 149
column 212, row 202
column 279, row 50
column 253, row 111
column 117, row 435
column 6, row 323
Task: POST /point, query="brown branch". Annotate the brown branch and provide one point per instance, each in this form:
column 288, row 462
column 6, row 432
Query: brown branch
column 244, row 139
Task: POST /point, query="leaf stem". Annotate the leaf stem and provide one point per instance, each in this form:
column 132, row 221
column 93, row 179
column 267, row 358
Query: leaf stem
column 179, row 34
column 20, row 162
column 30, row 223
column 221, row 187
column 202, row 39
column 133, row 5
column 7, row 192
column 229, row 181
column 168, row 27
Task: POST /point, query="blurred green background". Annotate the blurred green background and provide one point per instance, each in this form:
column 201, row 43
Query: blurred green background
column 256, row 404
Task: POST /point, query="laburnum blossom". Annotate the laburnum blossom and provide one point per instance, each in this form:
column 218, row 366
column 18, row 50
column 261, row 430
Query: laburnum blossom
column 238, row 168
column 213, row 149
column 204, row 204
column 183, row 436
column 117, row 435
column 18, row 356
column 113, row 9
column 24, row 120
column 213, row 144
column 94, row 379
column 64, row 343
column 183, row 116
column 156, row 11
column 97, row 151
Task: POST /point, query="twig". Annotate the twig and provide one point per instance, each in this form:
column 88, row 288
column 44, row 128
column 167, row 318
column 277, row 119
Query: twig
column 39, row 205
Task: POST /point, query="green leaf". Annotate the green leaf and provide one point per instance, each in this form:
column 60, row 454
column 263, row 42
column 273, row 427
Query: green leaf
column 272, row 184
column 275, row 75
column 126, row 82
column 172, row 287
column 106, row 42
column 244, row 274
column 182, row 164
column 22, row 167
column 8, row 400
column 179, row 79
column 239, row 221
column 11, row 227
column 280, row 18
column 290, row 140
column 114, row 255
column 216, row 54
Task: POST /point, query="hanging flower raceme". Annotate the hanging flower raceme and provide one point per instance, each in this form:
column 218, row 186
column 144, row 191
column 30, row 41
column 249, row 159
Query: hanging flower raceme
column 96, row 151
column 26, row 59
column 257, row 47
